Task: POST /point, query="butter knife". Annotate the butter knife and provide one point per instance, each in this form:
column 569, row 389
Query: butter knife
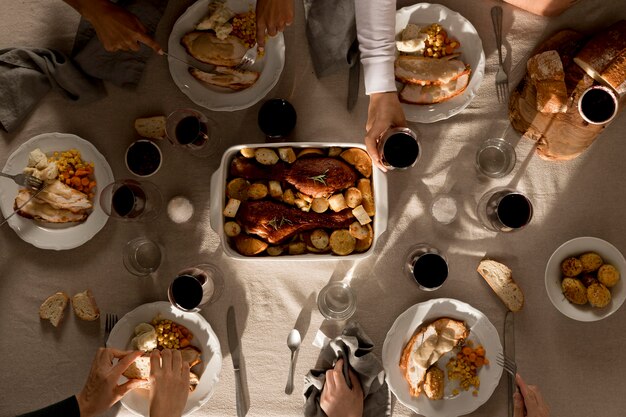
column 354, row 74
column 194, row 66
column 20, row 207
column 235, row 354
column 509, row 352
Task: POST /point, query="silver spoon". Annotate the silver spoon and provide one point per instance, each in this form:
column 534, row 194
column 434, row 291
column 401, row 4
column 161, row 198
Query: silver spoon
column 293, row 342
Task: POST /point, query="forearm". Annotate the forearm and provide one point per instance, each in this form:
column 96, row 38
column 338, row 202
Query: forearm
column 543, row 7
column 85, row 7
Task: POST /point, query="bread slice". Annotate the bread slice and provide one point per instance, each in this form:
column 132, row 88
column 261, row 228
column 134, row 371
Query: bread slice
column 53, row 308
column 191, row 355
column 603, row 48
column 85, row 306
column 151, row 127
column 500, row 279
column 546, row 71
column 140, row 369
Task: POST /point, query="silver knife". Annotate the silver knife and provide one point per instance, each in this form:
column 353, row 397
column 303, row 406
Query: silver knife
column 235, row 354
column 354, row 74
column 189, row 64
column 509, row 352
column 20, row 207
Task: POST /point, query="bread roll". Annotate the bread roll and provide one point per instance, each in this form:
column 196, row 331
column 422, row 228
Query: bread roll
column 85, row 306
column 500, row 279
column 53, row 308
column 615, row 74
column 151, row 127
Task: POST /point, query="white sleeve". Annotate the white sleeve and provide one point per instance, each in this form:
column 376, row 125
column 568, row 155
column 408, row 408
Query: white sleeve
column 375, row 27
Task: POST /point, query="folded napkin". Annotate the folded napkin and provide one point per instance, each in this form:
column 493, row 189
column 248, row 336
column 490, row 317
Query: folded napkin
column 27, row 74
column 330, row 30
column 122, row 68
column 355, row 346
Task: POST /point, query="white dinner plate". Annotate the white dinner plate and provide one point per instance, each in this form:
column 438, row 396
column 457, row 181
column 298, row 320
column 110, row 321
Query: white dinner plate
column 48, row 235
column 481, row 332
column 204, row 338
column 459, row 28
column 216, row 98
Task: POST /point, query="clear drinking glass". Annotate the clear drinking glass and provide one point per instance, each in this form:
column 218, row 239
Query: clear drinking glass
column 426, row 266
column 495, row 158
column 504, row 210
column 141, row 256
column 399, row 148
column 195, row 287
column 337, row 301
column 191, row 130
column 128, row 199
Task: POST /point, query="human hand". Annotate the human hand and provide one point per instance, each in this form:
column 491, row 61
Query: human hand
column 170, row 383
column 272, row 16
column 117, row 29
column 528, row 402
column 384, row 112
column 337, row 400
column 101, row 390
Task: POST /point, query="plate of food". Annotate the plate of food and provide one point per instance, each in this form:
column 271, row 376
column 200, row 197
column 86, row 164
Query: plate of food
column 159, row 325
column 439, row 358
column 440, row 62
column 66, row 213
column 583, row 279
column 214, row 35
column 298, row 201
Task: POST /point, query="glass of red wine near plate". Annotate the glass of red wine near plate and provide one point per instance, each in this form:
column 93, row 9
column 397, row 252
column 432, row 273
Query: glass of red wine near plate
column 196, row 287
column 504, row 210
column 131, row 200
column 399, row 148
column 426, row 266
column 193, row 131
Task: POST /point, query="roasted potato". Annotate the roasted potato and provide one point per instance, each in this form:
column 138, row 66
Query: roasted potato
column 238, row 188
column 297, row 248
column 319, row 205
column 231, row 207
column 249, row 246
column 361, row 215
column 248, row 152
column 276, row 190
column 591, row 261
column 571, row 267
column 304, row 197
column 232, row 229
column 302, row 204
column 319, row 239
column 574, row 291
column 359, row 159
column 257, row 191
column 364, row 244
column 337, row 202
column 353, row 197
column 334, row 151
column 608, row 275
column 265, row 156
column 287, row 155
column 310, row 152
column 341, row 242
column 598, row 295
column 274, row 250
column 289, row 197
column 587, row 279
column 365, row 187
column 358, row 231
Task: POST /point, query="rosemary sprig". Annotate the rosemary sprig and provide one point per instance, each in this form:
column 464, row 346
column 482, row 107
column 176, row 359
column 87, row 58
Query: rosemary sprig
column 277, row 224
column 320, row 178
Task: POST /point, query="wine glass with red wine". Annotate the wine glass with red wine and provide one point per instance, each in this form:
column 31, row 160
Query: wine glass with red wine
column 399, row 148
column 195, row 287
column 598, row 105
column 131, row 200
column 191, row 130
column 504, row 210
column 426, row 266
column 277, row 118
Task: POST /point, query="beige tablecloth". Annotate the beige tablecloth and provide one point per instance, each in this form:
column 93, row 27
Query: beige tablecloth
column 577, row 365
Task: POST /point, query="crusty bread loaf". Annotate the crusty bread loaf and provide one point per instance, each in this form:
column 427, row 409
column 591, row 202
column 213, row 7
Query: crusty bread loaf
column 546, row 72
column 53, row 308
column 500, row 279
column 151, row 127
column 551, row 97
column 85, row 306
column 615, row 74
column 603, row 48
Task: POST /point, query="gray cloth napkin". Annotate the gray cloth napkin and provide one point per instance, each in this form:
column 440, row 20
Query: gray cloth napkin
column 330, row 30
column 357, row 347
column 27, row 74
column 121, row 68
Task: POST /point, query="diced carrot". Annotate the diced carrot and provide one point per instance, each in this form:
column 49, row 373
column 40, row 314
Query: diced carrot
column 184, row 342
column 472, row 357
column 466, row 350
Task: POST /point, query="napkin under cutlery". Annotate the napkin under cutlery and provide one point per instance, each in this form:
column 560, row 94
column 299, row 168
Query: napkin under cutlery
column 27, row 74
column 122, row 68
column 357, row 349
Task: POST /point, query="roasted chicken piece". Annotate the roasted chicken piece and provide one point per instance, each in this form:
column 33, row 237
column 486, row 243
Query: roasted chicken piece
column 206, row 47
column 62, row 196
column 39, row 210
column 316, row 177
column 277, row 222
column 430, row 94
column 428, row 71
column 226, row 77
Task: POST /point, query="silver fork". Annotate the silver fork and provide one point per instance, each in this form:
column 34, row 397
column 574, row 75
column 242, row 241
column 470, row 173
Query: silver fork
column 25, row 180
column 248, row 59
column 507, row 364
column 109, row 322
column 502, row 79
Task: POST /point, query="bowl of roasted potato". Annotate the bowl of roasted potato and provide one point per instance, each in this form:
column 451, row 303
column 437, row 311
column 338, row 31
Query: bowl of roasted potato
column 583, row 279
column 304, row 200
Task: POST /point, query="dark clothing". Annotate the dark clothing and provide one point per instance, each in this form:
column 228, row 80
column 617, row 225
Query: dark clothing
column 65, row 408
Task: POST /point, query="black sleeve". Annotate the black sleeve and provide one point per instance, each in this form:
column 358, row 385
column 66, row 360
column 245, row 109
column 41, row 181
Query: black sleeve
column 65, row 408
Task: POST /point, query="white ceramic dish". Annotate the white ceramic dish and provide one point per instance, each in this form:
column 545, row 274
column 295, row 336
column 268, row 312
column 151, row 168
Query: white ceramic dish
column 218, row 196
column 216, row 98
column 204, row 338
column 457, row 27
column 481, row 332
column 49, row 235
column 609, row 253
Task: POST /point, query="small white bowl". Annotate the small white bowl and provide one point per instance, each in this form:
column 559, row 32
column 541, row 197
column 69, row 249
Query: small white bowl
column 609, row 253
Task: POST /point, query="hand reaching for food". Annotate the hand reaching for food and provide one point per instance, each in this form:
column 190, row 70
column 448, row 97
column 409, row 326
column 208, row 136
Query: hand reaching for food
column 169, row 377
column 117, row 29
column 529, row 402
column 384, row 112
column 337, row 400
column 272, row 16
